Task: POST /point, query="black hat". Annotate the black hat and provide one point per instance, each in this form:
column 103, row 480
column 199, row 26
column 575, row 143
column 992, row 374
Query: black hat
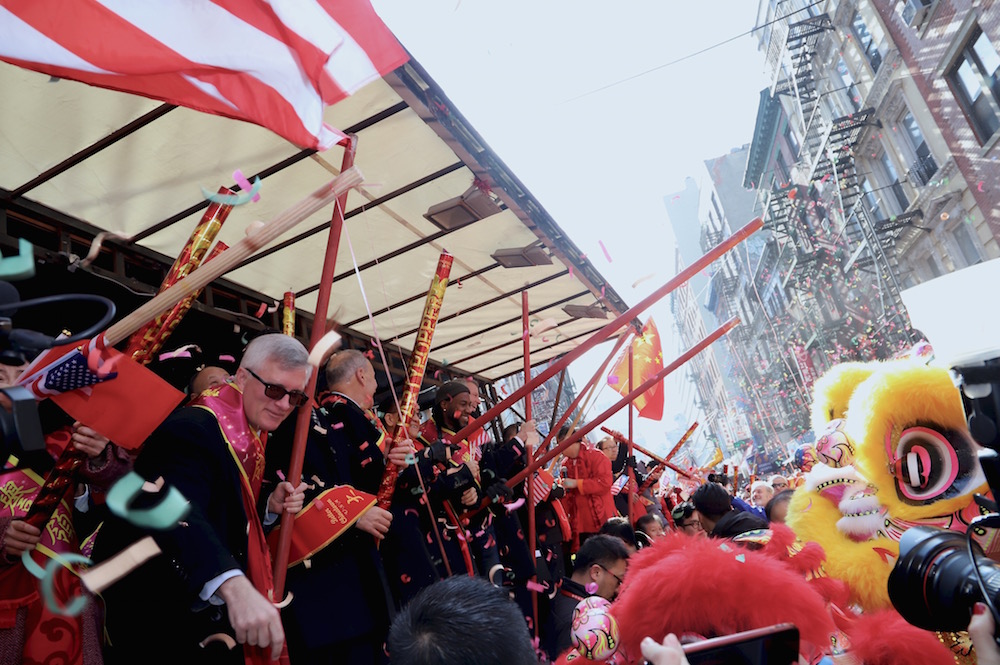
column 451, row 389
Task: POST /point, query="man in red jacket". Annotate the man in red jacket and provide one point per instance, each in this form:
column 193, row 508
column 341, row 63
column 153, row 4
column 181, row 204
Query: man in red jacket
column 588, row 484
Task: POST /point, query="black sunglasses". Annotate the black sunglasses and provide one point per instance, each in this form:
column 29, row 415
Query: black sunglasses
column 296, row 398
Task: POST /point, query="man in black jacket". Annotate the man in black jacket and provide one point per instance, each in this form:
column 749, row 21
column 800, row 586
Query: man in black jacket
column 718, row 517
column 213, row 576
column 340, row 610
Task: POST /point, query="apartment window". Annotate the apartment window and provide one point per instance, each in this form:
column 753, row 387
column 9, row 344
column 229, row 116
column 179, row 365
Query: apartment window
column 872, row 201
column 932, row 267
column 897, row 202
column 923, row 165
column 793, row 145
column 870, row 40
column 967, row 245
column 849, row 89
column 781, row 168
column 973, row 78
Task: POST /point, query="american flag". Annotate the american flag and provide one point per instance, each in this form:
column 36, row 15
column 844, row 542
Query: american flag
column 61, row 369
column 541, row 482
column 276, row 63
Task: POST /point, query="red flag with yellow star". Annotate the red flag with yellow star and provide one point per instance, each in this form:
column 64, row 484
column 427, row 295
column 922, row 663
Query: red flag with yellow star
column 647, row 360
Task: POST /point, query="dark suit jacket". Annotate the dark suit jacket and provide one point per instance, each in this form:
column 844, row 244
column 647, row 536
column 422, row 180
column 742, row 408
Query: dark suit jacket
column 342, row 594
column 157, row 608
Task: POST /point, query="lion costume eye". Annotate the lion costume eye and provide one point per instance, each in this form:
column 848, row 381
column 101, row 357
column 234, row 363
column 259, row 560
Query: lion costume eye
column 925, row 465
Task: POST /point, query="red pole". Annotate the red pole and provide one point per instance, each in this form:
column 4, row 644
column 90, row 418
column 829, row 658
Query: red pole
column 628, row 470
column 318, row 330
column 613, row 327
column 579, row 398
column 530, row 491
column 646, row 385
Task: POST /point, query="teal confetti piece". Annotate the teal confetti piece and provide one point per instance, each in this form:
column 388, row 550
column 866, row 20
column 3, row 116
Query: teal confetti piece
column 165, row 515
column 48, row 576
column 21, row 266
column 234, row 199
column 410, row 459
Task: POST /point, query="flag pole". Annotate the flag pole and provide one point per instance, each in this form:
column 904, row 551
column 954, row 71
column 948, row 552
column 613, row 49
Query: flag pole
column 643, row 387
column 664, row 461
column 604, row 333
column 318, row 330
column 629, row 471
column 530, row 486
column 585, row 392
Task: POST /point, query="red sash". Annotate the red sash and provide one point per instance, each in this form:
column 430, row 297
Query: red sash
column 246, row 445
column 322, row 521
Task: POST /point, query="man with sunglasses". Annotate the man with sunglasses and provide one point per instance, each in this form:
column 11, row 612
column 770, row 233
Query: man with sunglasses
column 598, row 570
column 214, row 575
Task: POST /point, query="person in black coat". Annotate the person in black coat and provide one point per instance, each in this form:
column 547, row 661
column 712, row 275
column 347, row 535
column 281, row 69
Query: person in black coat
column 206, row 582
column 341, row 606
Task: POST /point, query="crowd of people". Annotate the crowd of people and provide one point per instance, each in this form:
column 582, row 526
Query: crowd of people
column 408, row 582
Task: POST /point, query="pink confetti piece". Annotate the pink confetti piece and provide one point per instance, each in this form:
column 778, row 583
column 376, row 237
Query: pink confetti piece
column 227, row 358
column 602, row 291
column 979, row 185
column 174, row 354
column 604, row 249
column 338, row 426
column 281, row 475
column 511, row 507
column 245, row 185
column 532, row 585
column 261, row 310
column 571, row 271
column 612, row 380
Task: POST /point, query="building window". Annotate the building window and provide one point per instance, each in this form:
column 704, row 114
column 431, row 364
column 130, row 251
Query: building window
column 793, row 145
column 923, row 165
column 849, row 88
column 897, row 202
column 932, row 267
column 973, row 78
column 781, row 168
column 967, row 245
column 871, row 41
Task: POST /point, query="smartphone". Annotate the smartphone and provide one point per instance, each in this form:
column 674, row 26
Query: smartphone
column 774, row 645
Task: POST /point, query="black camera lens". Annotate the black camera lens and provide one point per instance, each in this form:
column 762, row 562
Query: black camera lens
column 933, row 585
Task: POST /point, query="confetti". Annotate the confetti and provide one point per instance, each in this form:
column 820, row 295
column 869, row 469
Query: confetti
column 95, row 246
column 324, row 347
column 165, row 515
column 604, row 249
column 261, row 310
column 979, row 185
column 234, row 199
column 48, row 575
column 245, row 185
column 612, row 380
column 742, row 558
column 643, row 279
column 511, row 507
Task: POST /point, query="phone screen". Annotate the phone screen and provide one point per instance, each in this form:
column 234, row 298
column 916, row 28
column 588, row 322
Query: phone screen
column 774, row 645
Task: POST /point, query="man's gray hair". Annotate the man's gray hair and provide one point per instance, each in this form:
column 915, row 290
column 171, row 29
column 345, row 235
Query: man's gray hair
column 283, row 350
column 342, row 366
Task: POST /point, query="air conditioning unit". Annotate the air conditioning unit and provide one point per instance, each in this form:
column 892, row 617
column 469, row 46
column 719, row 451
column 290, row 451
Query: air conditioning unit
column 915, row 11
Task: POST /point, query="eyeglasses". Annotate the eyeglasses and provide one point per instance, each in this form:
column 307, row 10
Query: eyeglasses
column 696, row 524
column 620, row 580
column 296, row 398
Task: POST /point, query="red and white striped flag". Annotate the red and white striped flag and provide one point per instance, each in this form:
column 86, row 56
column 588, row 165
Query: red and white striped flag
column 619, row 484
column 276, row 63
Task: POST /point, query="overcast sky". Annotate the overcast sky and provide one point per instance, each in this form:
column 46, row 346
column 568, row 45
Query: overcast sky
column 563, row 92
